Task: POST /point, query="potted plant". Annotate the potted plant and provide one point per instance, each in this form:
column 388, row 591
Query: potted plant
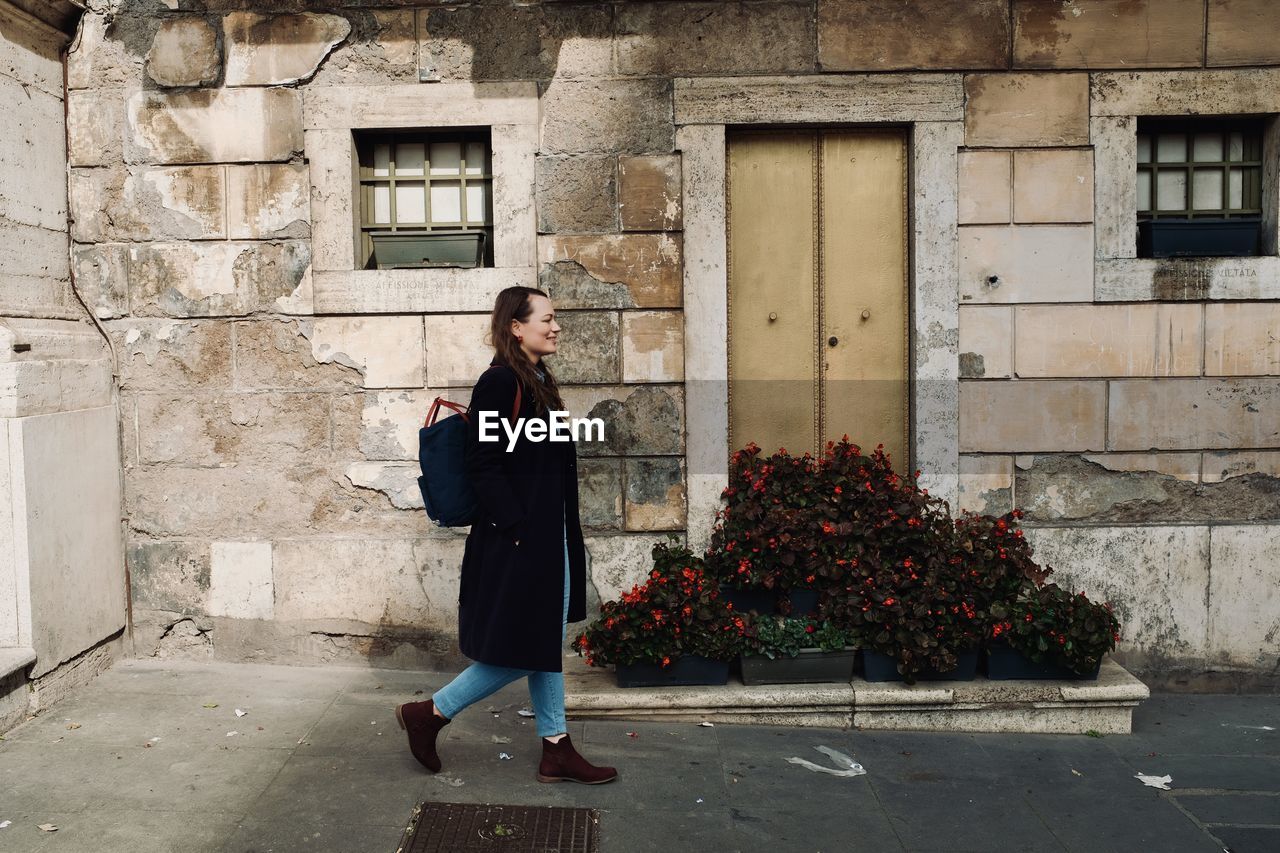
column 788, row 650
column 996, row 557
column 1048, row 632
column 892, row 572
column 765, row 538
column 918, row 620
column 671, row 630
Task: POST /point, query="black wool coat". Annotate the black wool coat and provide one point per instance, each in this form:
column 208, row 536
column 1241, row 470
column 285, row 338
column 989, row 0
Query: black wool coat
column 512, row 596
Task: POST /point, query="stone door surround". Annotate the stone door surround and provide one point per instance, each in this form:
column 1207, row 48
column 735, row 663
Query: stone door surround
column 932, row 106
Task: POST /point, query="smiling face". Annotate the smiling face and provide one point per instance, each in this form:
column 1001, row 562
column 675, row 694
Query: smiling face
column 539, row 333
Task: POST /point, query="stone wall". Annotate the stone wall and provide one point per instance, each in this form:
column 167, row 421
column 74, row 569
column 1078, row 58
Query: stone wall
column 62, row 585
column 271, row 392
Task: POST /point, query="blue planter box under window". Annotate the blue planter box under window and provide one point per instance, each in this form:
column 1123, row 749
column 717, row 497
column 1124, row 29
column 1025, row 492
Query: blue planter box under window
column 1198, row 238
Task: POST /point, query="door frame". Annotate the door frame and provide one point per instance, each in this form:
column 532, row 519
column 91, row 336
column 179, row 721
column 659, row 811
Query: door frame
column 931, row 107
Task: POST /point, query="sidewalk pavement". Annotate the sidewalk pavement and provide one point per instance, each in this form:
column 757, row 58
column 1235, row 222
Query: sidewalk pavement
column 154, row 757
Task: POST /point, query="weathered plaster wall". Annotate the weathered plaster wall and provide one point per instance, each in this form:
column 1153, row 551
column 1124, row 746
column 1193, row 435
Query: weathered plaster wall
column 271, row 391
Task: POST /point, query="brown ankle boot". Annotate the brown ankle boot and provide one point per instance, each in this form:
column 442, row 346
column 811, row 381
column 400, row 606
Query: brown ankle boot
column 562, row 763
column 420, row 721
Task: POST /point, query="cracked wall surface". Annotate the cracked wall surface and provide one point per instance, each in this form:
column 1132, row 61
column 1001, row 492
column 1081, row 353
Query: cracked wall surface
column 271, row 393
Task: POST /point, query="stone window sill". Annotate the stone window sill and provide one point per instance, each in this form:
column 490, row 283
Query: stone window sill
column 415, row 291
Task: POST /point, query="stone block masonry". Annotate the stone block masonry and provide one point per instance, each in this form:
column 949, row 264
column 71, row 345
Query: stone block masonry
column 271, row 392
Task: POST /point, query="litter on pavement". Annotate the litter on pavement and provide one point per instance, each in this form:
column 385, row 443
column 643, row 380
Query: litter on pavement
column 845, row 764
column 1161, row 782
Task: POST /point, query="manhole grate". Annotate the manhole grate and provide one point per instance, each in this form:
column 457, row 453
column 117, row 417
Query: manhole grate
column 459, row 827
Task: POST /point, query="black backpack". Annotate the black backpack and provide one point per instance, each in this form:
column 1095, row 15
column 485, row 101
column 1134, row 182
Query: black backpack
column 446, row 491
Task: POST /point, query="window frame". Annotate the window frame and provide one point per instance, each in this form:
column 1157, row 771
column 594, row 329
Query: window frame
column 332, row 115
column 1118, row 101
column 366, row 142
column 1252, row 130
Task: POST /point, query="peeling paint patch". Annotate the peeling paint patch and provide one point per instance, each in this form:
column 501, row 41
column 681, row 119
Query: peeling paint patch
column 148, row 343
column 571, row 285
column 972, row 366
column 274, row 50
column 388, row 351
column 398, row 481
column 1061, row 488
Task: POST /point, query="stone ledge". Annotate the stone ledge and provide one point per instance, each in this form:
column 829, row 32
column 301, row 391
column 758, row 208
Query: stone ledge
column 1061, row 707
column 15, row 659
column 413, row 291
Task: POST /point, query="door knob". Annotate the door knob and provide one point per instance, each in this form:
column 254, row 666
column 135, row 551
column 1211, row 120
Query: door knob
column 772, row 316
column 832, row 341
column 866, row 313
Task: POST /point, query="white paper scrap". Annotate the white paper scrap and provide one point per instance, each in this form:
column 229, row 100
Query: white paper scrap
column 707, row 725
column 240, row 713
column 4, row 824
column 1161, row 782
column 848, row 767
column 504, row 756
column 525, row 712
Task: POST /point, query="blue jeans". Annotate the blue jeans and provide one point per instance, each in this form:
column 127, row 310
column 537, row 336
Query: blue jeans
column 546, row 689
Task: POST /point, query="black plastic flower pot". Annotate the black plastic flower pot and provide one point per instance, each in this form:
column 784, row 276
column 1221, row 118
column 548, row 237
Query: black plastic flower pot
column 804, row 602
column 762, row 601
column 1008, row 664
column 811, row 666
column 878, row 667
column 684, row 671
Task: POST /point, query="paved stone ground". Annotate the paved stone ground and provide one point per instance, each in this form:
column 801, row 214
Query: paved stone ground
column 137, row 762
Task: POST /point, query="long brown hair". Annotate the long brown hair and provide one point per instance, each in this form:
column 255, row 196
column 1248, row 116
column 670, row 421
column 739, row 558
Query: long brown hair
column 514, row 303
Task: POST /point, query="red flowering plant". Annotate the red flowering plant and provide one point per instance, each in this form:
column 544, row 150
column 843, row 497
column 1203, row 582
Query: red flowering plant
column 996, row 557
column 919, row 609
column 869, row 509
column 1048, row 624
column 677, row 611
column 767, row 534
column 783, row 636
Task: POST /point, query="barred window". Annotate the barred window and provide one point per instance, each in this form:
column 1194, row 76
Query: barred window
column 1199, row 187
column 426, row 198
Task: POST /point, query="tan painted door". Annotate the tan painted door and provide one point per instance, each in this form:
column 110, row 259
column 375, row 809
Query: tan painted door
column 818, row 289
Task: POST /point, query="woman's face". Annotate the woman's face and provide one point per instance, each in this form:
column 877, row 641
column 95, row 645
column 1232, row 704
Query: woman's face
column 538, row 334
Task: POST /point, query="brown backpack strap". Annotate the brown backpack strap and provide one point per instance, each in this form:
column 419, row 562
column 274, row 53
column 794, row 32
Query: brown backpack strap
column 464, row 412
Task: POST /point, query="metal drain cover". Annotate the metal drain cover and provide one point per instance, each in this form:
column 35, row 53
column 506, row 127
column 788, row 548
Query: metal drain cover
column 459, row 827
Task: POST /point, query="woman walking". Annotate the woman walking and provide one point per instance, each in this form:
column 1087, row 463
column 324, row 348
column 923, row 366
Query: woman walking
column 524, row 568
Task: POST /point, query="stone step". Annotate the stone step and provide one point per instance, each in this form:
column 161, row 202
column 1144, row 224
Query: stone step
column 15, row 659
column 1060, row 707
